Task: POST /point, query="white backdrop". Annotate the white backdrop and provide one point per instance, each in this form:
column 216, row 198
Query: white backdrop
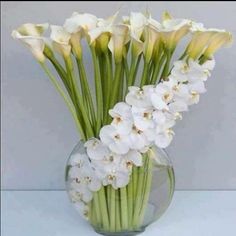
column 38, row 132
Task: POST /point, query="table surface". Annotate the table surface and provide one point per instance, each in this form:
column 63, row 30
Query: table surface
column 49, row 213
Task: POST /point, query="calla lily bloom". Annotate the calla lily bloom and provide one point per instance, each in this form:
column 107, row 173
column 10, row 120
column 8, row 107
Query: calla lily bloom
column 61, row 39
column 31, row 35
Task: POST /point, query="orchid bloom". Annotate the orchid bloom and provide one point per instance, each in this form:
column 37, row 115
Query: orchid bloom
column 162, row 95
column 61, row 39
column 116, row 141
column 142, row 118
column 122, row 117
column 164, row 134
column 31, row 35
column 112, row 171
column 96, row 150
column 139, row 97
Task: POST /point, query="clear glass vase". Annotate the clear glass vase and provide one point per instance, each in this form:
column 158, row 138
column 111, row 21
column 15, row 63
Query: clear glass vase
column 129, row 210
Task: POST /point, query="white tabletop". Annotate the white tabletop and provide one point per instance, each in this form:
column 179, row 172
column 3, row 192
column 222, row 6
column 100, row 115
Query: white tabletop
column 49, row 213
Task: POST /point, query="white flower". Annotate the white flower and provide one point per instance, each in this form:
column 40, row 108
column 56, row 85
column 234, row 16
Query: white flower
column 184, row 71
column 172, row 30
column 79, row 21
column 209, row 65
column 142, row 118
column 139, row 97
column 79, row 160
column 111, row 171
column 162, row 95
column 82, row 192
column 116, row 141
column 103, row 26
column 122, row 117
column 137, row 23
column 119, row 37
column 138, row 139
column 133, row 157
column 164, row 134
column 31, row 36
column 82, row 208
column 96, row 150
column 60, row 38
column 152, row 38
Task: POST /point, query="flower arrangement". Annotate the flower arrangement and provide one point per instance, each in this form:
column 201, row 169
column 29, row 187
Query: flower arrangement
column 129, row 114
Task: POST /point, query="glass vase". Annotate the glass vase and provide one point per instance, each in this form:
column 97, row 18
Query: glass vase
column 129, row 210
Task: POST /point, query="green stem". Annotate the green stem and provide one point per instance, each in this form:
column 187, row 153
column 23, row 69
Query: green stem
column 132, row 71
column 155, row 79
column 147, row 187
column 69, row 67
column 97, row 209
column 86, row 88
column 144, row 75
column 98, row 88
column 103, row 207
column 131, row 198
column 141, row 185
column 112, row 208
column 114, row 95
column 66, row 99
column 108, row 84
column 124, row 208
column 118, row 209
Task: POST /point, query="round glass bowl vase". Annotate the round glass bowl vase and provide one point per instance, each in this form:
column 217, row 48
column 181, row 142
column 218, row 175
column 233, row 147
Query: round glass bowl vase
column 130, row 209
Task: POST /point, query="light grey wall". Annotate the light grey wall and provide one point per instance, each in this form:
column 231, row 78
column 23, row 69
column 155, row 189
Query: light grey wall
column 38, row 132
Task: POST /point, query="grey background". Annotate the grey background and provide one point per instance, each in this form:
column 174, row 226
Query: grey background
column 38, row 132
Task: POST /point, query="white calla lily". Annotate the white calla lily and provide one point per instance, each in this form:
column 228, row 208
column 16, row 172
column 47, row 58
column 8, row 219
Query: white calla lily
column 78, row 21
column 31, row 36
column 137, row 22
column 61, row 40
column 119, row 37
column 104, row 26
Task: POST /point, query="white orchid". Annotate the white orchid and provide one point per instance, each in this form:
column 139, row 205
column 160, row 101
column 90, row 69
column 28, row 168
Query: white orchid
column 112, row 171
column 186, row 71
column 82, row 192
column 164, row 134
column 82, row 208
column 31, row 35
column 122, row 117
column 116, row 141
column 139, row 97
column 138, row 139
column 61, row 40
column 142, row 118
column 162, row 95
column 96, row 150
column 79, row 160
column 133, row 157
